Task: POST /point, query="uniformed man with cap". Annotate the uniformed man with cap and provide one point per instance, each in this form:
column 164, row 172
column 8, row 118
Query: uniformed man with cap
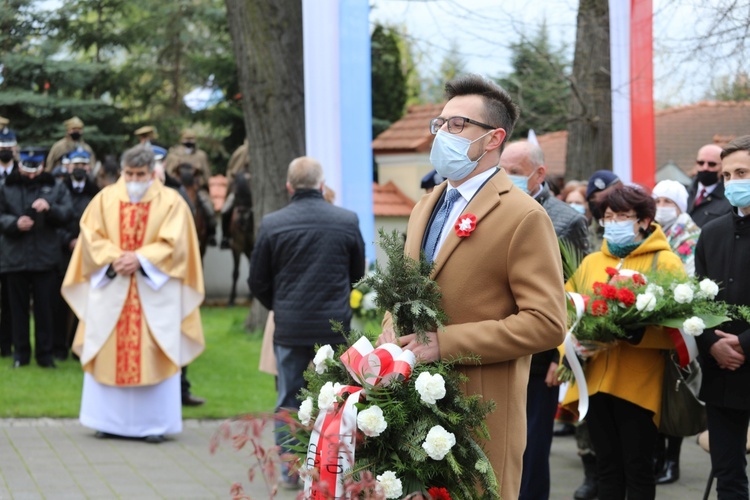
column 188, row 153
column 8, row 164
column 73, row 140
column 82, row 189
column 33, row 206
column 146, row 134
column 239, row 162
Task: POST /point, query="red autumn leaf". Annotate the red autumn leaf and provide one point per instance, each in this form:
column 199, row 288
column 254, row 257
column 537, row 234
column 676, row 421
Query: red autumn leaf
column 599, row 308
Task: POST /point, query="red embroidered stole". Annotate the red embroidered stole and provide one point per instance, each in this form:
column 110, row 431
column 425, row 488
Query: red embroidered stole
column 133, row 218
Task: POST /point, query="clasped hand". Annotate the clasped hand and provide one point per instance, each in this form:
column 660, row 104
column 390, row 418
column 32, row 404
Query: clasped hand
column 727, row 351
column 126, row 264
column 424, row 352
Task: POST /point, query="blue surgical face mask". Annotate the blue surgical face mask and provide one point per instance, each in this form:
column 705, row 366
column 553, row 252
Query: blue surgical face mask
column 578, row 207
column 521, row 182
column 620, row 232
column 738, row 192
column 449, row 155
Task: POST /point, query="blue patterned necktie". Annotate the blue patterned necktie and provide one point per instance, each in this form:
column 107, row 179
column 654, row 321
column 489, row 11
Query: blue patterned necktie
column 438, row 222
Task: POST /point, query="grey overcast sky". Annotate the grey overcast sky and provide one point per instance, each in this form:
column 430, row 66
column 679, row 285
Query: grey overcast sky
column 483, row 30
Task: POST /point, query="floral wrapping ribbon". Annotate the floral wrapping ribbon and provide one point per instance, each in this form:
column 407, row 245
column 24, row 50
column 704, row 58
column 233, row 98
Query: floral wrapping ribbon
column 333, row 439
column 570, row 354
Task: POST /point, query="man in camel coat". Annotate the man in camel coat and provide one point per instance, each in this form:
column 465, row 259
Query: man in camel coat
column 497, row 263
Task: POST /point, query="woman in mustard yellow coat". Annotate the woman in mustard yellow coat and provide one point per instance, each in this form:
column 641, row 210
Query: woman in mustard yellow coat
column 625, row 382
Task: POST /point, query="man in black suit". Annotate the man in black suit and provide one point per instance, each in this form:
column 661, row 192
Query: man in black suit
column 706, row 199
column 722, row 255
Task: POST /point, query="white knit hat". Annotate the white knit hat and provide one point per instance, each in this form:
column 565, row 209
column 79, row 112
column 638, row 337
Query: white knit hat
column 674, row 191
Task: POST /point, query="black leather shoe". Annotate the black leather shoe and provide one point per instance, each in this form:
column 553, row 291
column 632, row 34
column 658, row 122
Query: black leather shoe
column 224, row 244
column 670, row 473
column 211, row 241
column 191, row 400
column 587, row 491
column 47, row 364
column 155, row 439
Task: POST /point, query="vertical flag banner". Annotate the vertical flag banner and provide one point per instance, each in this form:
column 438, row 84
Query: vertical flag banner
column 631, row 54
column 338, row 115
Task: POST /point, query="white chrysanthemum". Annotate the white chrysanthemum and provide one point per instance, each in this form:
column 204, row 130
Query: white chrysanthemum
column 693, row 326
column 391, row 485
column 654, row 289
column 368, row 301
column 708, row 288
column 683, row 293
column 327, row 396
column 324, row 354
column 305, row 411
column 645, row 302
column 371, row 421
column 438, row 442
column 430, row 387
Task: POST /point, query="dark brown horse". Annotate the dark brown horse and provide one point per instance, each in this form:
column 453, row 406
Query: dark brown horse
column 189, row 181
column 241, row 228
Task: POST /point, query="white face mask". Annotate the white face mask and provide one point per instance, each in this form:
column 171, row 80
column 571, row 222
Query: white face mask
column 666, row 216
column 578, row 207
column 450, row 155
column 136, row 190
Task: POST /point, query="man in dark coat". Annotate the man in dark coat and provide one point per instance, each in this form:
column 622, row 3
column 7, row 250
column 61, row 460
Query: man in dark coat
column 706, row 200
column 8, row 165
column 32, row 207
column 524, row 163
column 305, row 260
column 82, row 190
column 722, row 255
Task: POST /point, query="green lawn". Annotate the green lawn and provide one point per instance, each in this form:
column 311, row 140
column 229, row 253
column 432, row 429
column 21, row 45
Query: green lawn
column 226, row 374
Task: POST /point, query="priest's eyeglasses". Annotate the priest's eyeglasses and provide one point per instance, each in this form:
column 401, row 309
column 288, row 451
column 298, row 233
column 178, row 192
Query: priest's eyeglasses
column 455, row 124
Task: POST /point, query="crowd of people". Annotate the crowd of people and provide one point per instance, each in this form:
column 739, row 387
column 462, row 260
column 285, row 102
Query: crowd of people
column 502, row 286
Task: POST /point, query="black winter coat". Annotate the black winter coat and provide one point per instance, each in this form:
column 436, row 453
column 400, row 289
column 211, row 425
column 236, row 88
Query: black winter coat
column 305, row 260
column 713, row 206
column 79, row 202
column 38, row 249
column 722, row 255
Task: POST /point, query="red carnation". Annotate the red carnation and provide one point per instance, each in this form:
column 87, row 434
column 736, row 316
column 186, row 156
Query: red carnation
column 626, row 296
column 609, row 292
column 598, row 287
column 439, row 493
column 599, row 308
column 638, row 279
column 611, row 271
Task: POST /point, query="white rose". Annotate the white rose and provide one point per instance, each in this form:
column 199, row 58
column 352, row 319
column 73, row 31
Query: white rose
column 430, row 387
column 654, row 289
column 683, row 293
column 438, row 442
column 368, row 301
column 327, row 396
column 305, row 411
column 391, row 485
column 324, row 353
column 645, row 302
column 693, row 326
column 708, row 288
column 371, row 421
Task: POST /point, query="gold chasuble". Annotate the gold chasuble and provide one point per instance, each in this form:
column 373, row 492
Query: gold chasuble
column 133, row 331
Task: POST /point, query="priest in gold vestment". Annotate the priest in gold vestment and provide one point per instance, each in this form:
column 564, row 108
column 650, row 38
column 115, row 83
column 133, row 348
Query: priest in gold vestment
column 135, row 282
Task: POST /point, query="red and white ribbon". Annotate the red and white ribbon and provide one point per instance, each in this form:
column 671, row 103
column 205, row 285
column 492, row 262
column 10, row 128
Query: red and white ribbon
column 570, row 355
column 332, row 442
column 687, row 348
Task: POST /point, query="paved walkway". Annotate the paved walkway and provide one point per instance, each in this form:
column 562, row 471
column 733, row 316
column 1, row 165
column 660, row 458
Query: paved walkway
column 59, row 459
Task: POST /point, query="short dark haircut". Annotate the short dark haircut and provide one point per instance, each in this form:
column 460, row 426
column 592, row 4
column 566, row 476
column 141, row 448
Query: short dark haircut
column 738, row 144
column 626, row 198
column 499, row 109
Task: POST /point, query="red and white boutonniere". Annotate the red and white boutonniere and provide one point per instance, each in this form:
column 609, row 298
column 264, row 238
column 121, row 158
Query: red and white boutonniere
column 465, row 225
